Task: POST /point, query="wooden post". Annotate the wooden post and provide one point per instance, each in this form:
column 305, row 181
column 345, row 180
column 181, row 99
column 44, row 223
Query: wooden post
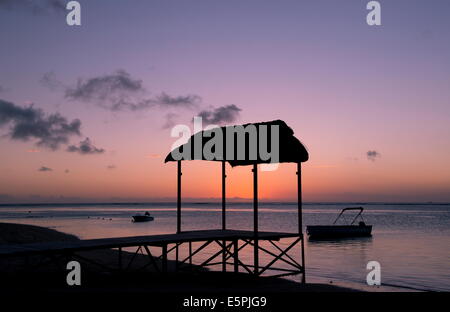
column 236, row 256
column 224, row 253
column 255, row 219
column 224, row 223
column 178, row 212
column 190, row 255
column 164, row 258
column 120, row 258
column 300, row 218
column 176, row 257
column 303, row 262
column 299, row 202
column 179, row 197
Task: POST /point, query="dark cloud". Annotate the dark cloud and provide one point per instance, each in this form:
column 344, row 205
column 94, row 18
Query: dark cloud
column 177, row 101
column 45, row 169
column 111, row 167
column 124, row 102
column 114, row 91
column 222, row 114
column 35, row 6
column 85, row 147
column 66, row 171
column 118, row 91
column 99, row 88
column 373, row 155
column 28, row 123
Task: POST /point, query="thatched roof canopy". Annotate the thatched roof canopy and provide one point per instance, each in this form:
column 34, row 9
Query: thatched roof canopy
column 242, row 145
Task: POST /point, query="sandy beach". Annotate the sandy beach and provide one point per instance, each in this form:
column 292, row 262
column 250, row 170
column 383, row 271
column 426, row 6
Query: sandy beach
column 19, row 274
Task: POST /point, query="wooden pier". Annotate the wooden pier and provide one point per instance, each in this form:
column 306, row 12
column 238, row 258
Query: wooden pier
column 233, row 241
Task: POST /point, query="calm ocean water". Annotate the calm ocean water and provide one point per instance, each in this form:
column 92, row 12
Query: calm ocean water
column 410, row 241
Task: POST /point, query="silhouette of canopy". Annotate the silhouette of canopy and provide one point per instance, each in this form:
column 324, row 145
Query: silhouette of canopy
column 291, row 150
column 249, row 144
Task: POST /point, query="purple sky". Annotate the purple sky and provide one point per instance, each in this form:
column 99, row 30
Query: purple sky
column 344, row 87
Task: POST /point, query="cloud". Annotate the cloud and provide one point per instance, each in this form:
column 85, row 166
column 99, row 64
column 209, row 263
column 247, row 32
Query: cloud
column 118, row 91
column 115, row 88
column 34, row 6
column 85, row 147
column 110, row 167
column 66, row 171
column 220, row 115
column 27, row 123
column 136, row 102
column 45, row 169
column 177, row 101
column 373, row 155
column 49, row 80
column 2, row 89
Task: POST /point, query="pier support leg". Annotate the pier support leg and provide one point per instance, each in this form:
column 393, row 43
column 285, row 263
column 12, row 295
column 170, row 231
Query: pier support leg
column 236, row 256
column 303, row 262
column 120, row 259
column 164, row 258
column 255, row 219
column 190, row 256
column 224, row 256
column 176, row 258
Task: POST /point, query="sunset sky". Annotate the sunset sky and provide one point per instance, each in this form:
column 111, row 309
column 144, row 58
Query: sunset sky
column 133, row 69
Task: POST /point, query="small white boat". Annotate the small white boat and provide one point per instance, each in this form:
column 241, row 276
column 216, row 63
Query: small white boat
column 142, row 218
column 340, row 231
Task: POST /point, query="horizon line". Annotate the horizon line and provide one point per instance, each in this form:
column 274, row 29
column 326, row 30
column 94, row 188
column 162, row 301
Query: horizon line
column 233, row 202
